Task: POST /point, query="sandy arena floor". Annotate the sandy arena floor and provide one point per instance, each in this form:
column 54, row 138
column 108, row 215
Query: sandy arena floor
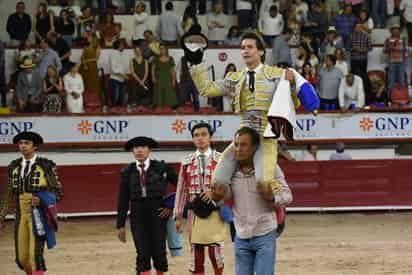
column 326, row 244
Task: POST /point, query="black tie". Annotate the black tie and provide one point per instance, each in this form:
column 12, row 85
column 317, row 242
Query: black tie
column 26, row 169
column 251, row 81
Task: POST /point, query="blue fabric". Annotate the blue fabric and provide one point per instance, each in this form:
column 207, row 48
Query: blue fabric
column 169, row 201
column 257, row 254
column 226, row 213
column 174, row 239
column 47, row 199
column 308, row 97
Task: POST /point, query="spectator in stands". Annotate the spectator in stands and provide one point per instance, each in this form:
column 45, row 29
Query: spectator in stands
column 281, row 51
column 74, row 89
column 150, row 47
column 360, row 45
column 301, row 11
column 227, row 101
column 73, row 9
column 283, row 152
column 341, row 62
column 55, row 7
column 88, row 67
column 118, row 73
column 29, row 88
column 130, row 6
column 189, row 18
column 406, row 8
column 317, row 23
column 311, row 153
column 86, row 23
column 168, row 26
column 201, row 7
column 102, row 4
column 377, row 90
column 188, row 90
column 59, row 45
column 43, row 22
column 48, row 57
column 233, row 36
column 65, row 27
column 140, row 23
column 340, row 153
column 265, row 7
column 245, row 16
column 155, row 7
column 2, row 75
column 309, row 73
column 379, row 13
column 271, row 25
column 109, row 30
column 345, row 23
column 52, row 90
column 351, row 93
column 216, row 24
column 164, row 79
column 229, row 6
column 366, row 21
column 305, row 56
column 329, row 81
column 332, row 6
column 397, row 50
column 139, row 70
column 25, row 50
column 356, row 6
column 332, row 42
column 18, row 25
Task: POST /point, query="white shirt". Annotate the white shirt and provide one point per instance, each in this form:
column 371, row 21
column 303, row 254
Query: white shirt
column 265, row 7
column 74, row 84
column 118, row 66
column 216, row 33
column 343, row 66
column 351, row 94
column 406, row 6
column 272, row 26
column 23, row 164
column 302, row 12
column 207, row 154
column 140, row 26
column 243, row 5
column 146, row 166
column 257, row 70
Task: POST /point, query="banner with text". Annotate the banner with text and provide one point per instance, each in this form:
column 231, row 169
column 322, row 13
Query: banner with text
column 176, row 128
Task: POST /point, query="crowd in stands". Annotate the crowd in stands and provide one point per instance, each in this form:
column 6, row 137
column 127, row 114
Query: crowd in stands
column 331, row 38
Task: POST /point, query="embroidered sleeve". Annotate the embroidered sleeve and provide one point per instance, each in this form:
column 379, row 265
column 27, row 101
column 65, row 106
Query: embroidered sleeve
column 6, row 196
column 54, row 182
column 210, row 88
column 181, row 193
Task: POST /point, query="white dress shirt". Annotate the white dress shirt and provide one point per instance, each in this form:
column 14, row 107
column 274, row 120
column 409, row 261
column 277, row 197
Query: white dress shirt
column 140, row 25
column 207, row 155
column 146, row 166
column 271, row 26
column 243, row 5
column 351, row 94
column 23, row 164
column 118, row 66
column 257, row 70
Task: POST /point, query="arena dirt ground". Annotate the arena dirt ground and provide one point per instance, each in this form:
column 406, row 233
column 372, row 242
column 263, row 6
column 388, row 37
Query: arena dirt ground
column 313, row 244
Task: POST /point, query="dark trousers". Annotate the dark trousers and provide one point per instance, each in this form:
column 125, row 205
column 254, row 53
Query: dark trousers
column 329, row 104
column 245, row 19
column 359, row 67
column 129, row 5
column 201, row 7
column 187, row 89
column 379, row 13
column 229, row 6
column 118, row 96
column 149, row 234
column 155, row 7
column 409, row 29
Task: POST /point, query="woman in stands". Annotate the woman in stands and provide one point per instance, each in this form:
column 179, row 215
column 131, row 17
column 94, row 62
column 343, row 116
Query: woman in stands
column 139, row 69
column 65, row 27
column 52, row 88
column 341, row 63
column 74, row 88
column 189, row 18
column 309, row 73
column 109, row 30
column 366, row 21
column 233, row 36
column 43, row 22
column 164, row 79
column 89, row 71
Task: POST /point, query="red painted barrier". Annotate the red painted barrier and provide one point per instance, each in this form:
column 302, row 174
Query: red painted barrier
column 93, row 188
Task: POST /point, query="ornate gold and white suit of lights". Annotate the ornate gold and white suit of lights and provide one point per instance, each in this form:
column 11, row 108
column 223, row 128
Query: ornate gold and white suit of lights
column 272, row 99
column 42, row 177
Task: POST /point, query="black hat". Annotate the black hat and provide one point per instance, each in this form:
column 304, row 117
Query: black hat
column 140, row 141
column 200, row 208
column 32, row 136
column 198, row 44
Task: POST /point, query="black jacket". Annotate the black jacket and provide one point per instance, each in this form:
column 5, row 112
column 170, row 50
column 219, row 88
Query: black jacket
column 158, row 175
column 19, row 28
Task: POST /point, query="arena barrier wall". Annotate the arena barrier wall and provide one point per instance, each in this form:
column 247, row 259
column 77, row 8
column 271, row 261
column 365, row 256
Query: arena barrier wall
column 316, row 186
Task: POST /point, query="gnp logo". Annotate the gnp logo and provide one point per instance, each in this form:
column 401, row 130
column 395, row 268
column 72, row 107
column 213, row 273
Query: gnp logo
column 390, row 125
column 306, row 128
column 179, row 126
column 104, row 129
column 9, row 129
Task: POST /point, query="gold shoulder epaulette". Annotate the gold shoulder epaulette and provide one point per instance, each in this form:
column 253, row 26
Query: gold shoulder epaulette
column 234, row 76
column 272, row 72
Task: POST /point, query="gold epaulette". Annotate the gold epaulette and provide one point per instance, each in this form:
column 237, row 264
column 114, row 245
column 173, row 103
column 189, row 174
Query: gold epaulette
column 234, row 76
column 272, row 72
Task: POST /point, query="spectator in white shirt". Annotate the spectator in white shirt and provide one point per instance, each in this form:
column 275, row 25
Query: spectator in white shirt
column 271, row 25
column 139, row 23
column 341, row 62
column 351, row 92
column 406, row 8
column 301, row 9
column 216, row 24
column 265, row 6
column 118, row 73
column 74, row 88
